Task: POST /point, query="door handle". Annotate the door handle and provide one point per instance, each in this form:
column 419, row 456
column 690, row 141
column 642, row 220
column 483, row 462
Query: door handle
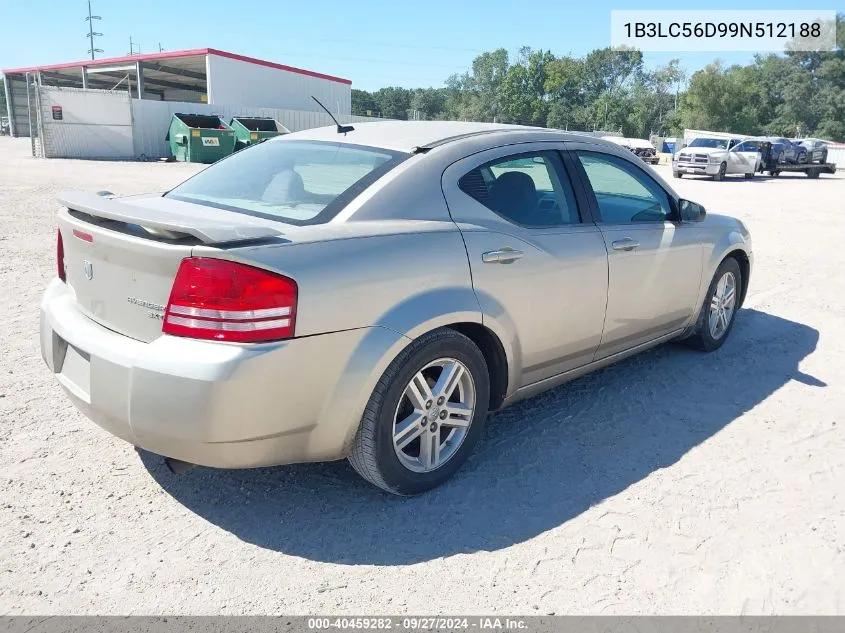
column 626, row 244
column 502, row 256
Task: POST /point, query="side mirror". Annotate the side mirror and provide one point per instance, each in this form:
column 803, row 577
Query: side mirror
column 691, row 211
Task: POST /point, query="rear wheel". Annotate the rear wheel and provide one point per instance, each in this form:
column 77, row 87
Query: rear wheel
column 723, row 169
column 719, row 309
column 677, row 174
column 823, row 158
column 425, row 415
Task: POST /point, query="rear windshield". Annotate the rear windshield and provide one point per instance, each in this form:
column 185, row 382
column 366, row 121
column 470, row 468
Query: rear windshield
column 297, row 182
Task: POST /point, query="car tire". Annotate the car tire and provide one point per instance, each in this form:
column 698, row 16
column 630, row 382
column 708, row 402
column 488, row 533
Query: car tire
column 704, row 336
column 375, row 454
column 823, row 158
column 723, row 169
column 677, row 174
column 749, row 176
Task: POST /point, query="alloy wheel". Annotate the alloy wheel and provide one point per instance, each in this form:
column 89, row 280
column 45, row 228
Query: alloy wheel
column 433, row 415
column 722, row 305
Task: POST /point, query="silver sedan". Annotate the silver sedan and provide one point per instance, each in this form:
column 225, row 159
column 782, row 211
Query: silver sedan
column 373, row 295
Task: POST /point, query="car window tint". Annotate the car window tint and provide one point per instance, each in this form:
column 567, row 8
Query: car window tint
column 748, row 146
column 624, row 193
column 523, row 189
column 294, row 181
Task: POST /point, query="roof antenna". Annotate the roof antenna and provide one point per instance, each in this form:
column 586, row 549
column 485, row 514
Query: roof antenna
column 341, row 129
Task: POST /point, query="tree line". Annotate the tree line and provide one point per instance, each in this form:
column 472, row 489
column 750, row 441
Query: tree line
column 791, row 94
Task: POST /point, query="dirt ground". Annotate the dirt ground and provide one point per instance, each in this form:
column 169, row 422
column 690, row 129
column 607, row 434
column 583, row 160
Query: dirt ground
column 673, row 483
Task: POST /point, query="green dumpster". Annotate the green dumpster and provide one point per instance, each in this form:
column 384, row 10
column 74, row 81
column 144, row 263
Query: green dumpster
column 199, row 138
column 249, row 130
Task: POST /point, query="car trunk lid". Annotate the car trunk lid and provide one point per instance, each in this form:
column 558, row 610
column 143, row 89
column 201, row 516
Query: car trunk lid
column 121, row 255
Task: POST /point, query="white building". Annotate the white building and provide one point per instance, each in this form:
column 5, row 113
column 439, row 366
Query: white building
column 200, row 76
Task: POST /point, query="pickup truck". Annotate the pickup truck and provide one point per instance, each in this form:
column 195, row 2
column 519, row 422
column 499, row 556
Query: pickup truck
column 717, row 157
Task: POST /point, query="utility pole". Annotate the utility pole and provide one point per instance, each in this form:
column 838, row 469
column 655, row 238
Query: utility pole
column 160, row 49
column 91, row 33
column 132, row 47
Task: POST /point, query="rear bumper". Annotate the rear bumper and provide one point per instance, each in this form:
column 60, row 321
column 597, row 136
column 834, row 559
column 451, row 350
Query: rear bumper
column 216, row 404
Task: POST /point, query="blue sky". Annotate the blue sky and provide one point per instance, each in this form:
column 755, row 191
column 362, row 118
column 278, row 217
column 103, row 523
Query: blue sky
column 374, row 44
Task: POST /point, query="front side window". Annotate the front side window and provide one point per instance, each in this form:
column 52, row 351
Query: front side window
column 524, row 189
column 297, row 182
column 748, row 146
column 623, row 192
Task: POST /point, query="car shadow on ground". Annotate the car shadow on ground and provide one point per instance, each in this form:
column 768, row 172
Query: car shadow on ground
column 758, row 178
column 732, row 178
column 541, row 462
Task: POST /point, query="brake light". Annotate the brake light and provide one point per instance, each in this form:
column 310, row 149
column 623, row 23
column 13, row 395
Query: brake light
column 60, row 256
column 220, row 300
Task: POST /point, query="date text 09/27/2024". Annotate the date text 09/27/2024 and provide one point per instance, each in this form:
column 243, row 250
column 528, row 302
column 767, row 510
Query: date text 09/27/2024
column 417, row 623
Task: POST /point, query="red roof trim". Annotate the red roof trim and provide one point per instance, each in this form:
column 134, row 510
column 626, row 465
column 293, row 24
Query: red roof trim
column 106, row 61
column 171, row 54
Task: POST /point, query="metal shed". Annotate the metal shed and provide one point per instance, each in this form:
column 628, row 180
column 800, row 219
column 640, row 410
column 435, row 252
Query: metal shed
column 201, row 76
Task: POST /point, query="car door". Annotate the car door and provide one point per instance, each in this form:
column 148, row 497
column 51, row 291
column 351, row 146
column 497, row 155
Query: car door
column 745, row 157
column 538, row 262
column 654, row 261
column 788, row 155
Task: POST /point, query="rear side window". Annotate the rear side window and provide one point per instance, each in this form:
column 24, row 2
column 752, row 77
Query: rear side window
column 297, row 182
column 525, row 189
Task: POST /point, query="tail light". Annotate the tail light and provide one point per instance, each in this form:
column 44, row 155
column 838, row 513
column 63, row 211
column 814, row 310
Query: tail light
column 220, row 300
column 60, row 256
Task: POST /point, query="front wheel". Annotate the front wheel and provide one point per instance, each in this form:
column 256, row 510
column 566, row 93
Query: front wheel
column 749, row 176
column 677, row 174
column 723, row 169
column 719, row 309
column 425, row 415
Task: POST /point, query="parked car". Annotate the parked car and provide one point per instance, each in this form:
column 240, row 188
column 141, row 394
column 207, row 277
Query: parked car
column 789, row 152
column 639, row 147
column 716, row 157
column 816, row 150
column 374, row 294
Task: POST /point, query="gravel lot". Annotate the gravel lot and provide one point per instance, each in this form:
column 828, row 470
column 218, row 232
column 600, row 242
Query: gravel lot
column 673, row 483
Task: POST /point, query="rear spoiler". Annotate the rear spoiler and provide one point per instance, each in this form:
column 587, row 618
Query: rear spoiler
column 205, row 227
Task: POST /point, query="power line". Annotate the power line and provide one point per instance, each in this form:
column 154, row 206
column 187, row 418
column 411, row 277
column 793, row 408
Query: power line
column 422, row 47
column 91, row 33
